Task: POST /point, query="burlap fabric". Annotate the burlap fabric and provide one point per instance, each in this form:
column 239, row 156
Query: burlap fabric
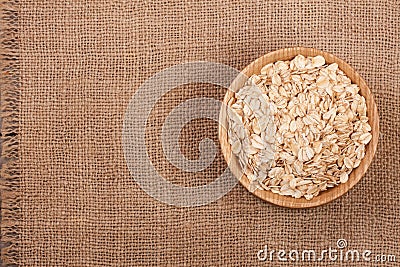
column 69, row 70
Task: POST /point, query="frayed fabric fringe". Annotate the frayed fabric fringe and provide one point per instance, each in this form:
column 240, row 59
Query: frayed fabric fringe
column 10, row 90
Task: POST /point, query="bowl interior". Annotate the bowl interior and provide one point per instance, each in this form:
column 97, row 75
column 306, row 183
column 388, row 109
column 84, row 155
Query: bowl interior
column 331, row 193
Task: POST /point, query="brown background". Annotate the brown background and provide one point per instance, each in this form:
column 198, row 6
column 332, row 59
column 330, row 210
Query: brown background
column 80, row 63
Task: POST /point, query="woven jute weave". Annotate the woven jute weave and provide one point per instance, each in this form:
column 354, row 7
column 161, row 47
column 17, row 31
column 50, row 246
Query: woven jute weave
column 68, row 72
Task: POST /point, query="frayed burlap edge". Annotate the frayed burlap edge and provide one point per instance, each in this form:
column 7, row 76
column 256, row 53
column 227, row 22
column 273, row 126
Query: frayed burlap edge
column 10, row 90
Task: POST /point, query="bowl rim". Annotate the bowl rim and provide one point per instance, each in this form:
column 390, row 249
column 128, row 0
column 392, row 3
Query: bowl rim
column 356, row 174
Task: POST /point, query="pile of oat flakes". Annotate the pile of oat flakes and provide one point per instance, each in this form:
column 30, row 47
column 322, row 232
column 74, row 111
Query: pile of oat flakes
column 299, row 127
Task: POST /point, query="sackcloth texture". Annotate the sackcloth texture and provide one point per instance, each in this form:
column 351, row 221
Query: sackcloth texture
column 69, row 70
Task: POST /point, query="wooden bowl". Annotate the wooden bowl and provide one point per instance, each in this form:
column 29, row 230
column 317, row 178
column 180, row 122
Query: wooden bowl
column 331, row 193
